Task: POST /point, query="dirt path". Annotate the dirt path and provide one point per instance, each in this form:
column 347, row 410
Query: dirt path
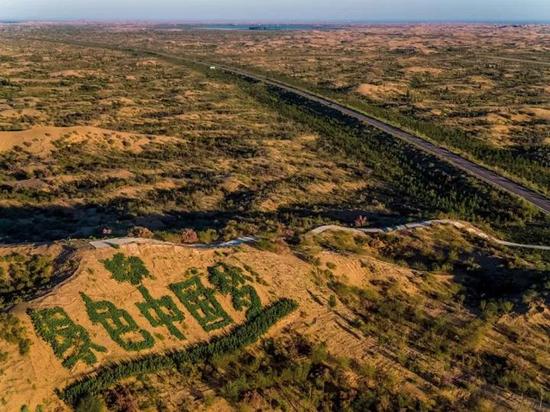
column 117, row 242
column 428, row 223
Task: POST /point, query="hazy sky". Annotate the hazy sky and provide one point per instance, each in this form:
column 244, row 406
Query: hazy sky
column 297, row 10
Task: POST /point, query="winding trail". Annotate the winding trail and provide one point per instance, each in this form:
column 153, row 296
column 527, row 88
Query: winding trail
column 467, row 227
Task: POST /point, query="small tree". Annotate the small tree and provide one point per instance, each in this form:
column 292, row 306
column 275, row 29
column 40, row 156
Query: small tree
column 189, row 236
column 142, row 232
column 360, row 221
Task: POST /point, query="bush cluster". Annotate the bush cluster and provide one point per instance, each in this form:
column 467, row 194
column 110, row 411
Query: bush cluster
column 21, row 272
column 12, row 331
column 161, row 312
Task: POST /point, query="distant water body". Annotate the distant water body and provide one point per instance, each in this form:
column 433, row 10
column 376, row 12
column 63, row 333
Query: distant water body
column 262, row 27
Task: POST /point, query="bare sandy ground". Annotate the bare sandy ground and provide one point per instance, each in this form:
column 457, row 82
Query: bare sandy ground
column 379, row 92
column 40, row 140
column 31, row 379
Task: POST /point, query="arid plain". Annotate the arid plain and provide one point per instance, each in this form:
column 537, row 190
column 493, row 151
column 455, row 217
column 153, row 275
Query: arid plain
column 116, row 131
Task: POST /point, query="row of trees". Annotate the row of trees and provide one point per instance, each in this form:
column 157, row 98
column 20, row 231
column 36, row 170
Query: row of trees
column 415, row 182
column 241, row 336
column 528, row 163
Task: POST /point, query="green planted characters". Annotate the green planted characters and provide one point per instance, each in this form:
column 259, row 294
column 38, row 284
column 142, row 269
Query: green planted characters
column 201, row 303
column 229, row 279
column 118, row 323
column 241, row 336
column 127, row 269
column 161, row 312
column 69, row 341
column 63, row 334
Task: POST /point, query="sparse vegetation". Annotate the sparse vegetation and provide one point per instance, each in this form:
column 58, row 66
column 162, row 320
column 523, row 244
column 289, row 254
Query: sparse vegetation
column 13, row 332
column 471, row 310
column 117, row 141
column 117, row 181
column 90, row 404
column 19, row 273
column 424, row 79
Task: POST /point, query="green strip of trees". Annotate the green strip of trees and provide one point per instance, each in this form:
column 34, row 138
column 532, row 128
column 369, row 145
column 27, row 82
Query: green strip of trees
column 241, row 336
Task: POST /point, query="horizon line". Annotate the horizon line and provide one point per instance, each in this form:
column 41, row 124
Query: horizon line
column 7, row 20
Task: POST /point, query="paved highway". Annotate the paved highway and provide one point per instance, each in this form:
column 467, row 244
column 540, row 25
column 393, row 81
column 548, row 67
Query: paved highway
column 480, row 172
column 474, row 169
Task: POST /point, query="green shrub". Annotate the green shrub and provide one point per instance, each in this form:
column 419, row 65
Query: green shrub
column 12, row 331
column 201, row 303
column 64, row 336
column 24, row 272
column 331, row 265
column 161, row 312
column 127, row 269
column 208, row 236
